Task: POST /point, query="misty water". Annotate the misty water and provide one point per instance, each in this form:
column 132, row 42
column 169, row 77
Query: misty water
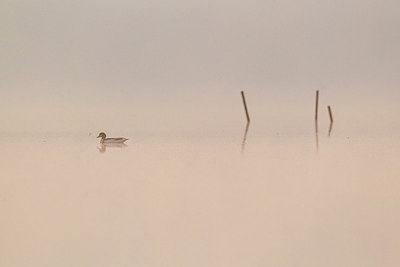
column 278, row 198
column 188, row 189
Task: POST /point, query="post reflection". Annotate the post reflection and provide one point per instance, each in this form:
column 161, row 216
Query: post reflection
column 245, row 136
column 316, row 136
column 330, row 129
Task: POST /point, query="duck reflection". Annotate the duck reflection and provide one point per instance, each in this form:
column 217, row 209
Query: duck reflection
column 103, row 147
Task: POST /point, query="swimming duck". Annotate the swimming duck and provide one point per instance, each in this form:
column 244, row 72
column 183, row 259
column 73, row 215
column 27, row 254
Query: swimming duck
column 105, row 140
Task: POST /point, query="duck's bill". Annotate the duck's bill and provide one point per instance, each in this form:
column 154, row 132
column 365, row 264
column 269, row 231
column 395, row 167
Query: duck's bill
column 98, row 136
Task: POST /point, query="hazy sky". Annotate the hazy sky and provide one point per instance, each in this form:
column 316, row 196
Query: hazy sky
column 81, row 60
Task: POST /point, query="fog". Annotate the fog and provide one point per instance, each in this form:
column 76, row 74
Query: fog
column 86, row 65
column 193, row 186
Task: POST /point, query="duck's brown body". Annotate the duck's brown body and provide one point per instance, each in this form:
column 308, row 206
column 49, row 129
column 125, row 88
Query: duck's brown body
column 105, row 140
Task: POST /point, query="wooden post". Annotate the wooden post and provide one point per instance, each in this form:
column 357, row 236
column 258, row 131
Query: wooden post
column 316, row 105
column 245, row 106
column 330, row 113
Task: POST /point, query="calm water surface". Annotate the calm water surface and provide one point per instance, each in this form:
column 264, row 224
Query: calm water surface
column 201, row 200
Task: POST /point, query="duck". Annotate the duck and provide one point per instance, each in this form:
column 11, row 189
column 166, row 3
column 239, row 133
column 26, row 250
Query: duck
column 105, row 140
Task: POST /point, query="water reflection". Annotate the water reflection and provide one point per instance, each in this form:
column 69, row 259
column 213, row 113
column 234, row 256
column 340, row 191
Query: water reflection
column 245, row 136
column 330, row 129
column 151, row 198
column 316, row 136
column 103, row 147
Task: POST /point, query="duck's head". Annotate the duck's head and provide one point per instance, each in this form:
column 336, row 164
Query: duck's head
column 102, row 135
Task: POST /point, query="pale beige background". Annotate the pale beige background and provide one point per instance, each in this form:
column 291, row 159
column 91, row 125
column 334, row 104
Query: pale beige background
column 159, row 65
column 185, row 191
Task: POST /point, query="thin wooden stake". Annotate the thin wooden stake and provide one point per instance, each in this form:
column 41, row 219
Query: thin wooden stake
column 245, row 106
column 330, row 113
column 316, row 105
